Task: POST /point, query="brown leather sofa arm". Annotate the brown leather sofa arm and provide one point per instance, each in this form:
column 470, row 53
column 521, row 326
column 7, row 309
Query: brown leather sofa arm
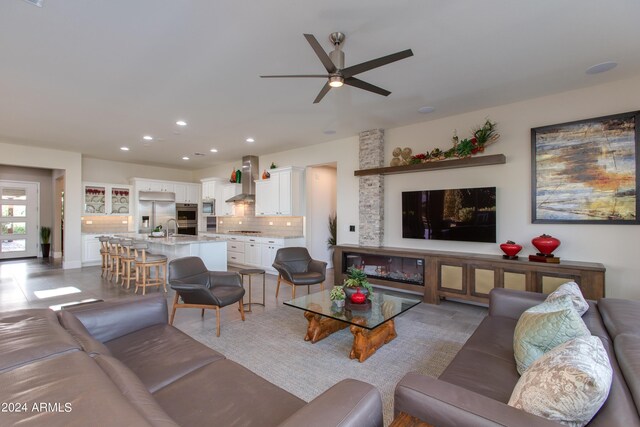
column 350, row 403
column 447, row 405
column 511, row 303
column 109, row 320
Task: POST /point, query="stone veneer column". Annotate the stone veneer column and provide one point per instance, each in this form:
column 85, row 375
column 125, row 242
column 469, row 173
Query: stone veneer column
column 371, row 205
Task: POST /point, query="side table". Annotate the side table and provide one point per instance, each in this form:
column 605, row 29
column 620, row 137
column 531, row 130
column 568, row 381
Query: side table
column 252, row 272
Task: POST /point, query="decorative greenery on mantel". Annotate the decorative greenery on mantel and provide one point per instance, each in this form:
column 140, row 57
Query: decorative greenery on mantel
column 458, row 156
column 494, row 159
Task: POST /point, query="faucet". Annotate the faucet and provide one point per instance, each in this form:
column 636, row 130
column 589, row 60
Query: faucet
column 175, row 228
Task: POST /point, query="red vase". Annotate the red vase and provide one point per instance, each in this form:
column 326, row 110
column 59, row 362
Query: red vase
column 545, row 244
column 358, row 297
column 511, row 249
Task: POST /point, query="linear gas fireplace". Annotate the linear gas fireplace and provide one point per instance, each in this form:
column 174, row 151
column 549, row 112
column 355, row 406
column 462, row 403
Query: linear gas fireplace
column 392, row 268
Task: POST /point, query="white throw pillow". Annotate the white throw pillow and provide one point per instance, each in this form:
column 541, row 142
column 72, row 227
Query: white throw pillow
column 573, row 290
column 568, row 384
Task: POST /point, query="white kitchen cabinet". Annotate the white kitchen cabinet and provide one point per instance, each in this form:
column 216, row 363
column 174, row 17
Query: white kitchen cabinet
column 266, row 197
column 167, row 187
column 226, row 192
column 153, row 185
column 106, row 199
column 269, row 251
column 282, row 194
column 181, row 192
column 253, row 253
column 235, row 252
column 187, row 193
column 208, row 190
column 193, row 193
column 91, row 250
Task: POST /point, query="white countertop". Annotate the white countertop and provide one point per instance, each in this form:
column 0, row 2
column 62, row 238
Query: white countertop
column 169, row 241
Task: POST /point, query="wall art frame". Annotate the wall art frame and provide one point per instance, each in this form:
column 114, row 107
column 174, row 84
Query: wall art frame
column 586, row 171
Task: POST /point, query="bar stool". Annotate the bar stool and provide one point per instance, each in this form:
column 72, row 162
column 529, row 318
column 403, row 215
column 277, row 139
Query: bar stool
column 104, row 254
column 128, row 261
column 251, row 272
column 144, row 262
column 114, row 256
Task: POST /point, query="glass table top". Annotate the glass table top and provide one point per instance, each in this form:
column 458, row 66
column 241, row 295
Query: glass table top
column 384, row 307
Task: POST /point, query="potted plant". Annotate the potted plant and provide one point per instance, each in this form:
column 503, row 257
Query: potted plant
column 333, row 231
column 45, row 236
column 357, row 278
column 333, row 236
column 337, row 295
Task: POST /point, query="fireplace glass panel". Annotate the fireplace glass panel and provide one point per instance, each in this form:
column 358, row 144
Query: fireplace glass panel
column 392, row 268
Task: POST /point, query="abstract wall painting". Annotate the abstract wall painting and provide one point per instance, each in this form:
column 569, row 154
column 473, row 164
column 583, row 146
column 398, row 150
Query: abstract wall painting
column 585, row 172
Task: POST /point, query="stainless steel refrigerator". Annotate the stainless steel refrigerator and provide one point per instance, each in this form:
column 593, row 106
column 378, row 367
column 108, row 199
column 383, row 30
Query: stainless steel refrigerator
column 155, row 208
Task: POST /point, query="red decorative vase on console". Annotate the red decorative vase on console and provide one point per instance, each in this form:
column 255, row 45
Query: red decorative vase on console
column 510, row 249
column 545, row 244
column 358, row 297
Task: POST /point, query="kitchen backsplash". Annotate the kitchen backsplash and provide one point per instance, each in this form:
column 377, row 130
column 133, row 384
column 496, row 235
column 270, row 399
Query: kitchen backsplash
column 286, row 226
column 106, row 224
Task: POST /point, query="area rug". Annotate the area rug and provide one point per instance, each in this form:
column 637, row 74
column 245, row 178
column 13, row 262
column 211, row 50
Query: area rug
column 272, row 345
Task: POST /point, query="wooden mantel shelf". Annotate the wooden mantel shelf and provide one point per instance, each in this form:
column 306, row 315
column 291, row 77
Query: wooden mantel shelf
column 494, row 159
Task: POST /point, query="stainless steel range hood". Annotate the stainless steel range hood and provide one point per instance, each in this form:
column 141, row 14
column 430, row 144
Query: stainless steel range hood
column 249, row 174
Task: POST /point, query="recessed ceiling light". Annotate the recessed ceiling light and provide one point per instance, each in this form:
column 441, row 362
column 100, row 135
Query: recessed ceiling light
column 124, row 148
column 181, row 123
column 329, row 132
column 213, row 150
column 426, row 110
column 250, row 140
column 147, row 137
column 601, row 68
column 185, row 158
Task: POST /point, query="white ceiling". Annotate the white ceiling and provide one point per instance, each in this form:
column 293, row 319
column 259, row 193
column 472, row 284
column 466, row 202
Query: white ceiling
column 92, row 76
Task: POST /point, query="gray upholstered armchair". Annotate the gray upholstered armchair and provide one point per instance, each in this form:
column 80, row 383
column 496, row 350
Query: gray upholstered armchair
column 296, row 268
column 201, row 288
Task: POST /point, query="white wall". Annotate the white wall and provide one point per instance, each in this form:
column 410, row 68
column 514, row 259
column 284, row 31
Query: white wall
column 321, row 203
column 616, row 246
column 98, row 170
column 71, row 163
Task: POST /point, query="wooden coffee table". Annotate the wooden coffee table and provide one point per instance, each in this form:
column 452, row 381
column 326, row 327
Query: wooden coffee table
column 372, row 325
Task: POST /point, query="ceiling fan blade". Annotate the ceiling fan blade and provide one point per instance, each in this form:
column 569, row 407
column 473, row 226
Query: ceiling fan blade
column 324, row 58
column 322, row 93
column 295, row 75
column 375, row 63
column 352, row 81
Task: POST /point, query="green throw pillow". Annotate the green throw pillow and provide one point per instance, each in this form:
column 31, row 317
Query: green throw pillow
column 543, row 327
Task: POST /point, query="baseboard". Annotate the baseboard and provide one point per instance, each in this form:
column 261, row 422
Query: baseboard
column 57, row 254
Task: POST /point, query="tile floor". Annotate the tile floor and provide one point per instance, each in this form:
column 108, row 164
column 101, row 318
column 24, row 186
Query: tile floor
column 22, row 283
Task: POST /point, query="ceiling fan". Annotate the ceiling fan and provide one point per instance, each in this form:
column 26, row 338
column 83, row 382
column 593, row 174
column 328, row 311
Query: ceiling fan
column 337, row 74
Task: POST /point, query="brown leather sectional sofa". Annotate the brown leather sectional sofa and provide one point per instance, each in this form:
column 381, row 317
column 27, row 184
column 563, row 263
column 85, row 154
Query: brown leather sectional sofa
column 476, row 386
column 119, row 363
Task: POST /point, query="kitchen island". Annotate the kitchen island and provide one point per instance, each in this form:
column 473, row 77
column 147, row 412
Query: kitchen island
column 213, row 252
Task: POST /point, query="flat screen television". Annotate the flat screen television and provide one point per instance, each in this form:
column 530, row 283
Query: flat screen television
column 463, row 214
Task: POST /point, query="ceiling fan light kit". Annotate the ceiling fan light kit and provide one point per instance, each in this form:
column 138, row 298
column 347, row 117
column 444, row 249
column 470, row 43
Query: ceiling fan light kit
column 337, row 75
column 336, row 81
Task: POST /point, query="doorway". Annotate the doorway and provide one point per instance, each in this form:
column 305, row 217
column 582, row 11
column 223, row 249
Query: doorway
column 19, row 219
